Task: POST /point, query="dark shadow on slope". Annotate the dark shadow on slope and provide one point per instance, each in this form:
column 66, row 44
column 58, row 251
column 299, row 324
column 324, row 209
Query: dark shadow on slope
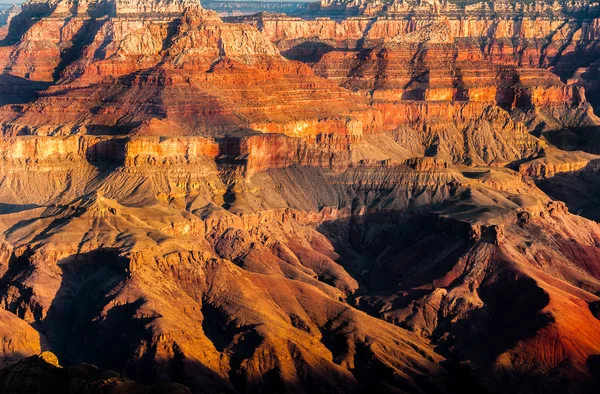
column 120, row 339
column 461, row 92
column 579, row 190
column 411, row 258
column 218, row 328
column 511, row 313
column 593, row 363
column 17, row 90
column 405, row 260
column 595, row 309
column 419, row 75
column 18, row 26
column 18, row 267
column 172, row 29
column 381, row 250
column 510, row 92
column 586, row 138
column 565, row 65
column 14, row 208
column 361, row 42
column 375, row 375
column 150, row 369
column 75, row 326
column 243, row 349
column 80, row 40
column 105, row 155
column 39, row 375
column 308, row 51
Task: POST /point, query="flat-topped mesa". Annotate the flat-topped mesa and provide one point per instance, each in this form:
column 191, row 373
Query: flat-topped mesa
column 446, row 7
column 245, row 155
column 226, row 8
column 113, row 8
column 371, row 30
column 42, row 151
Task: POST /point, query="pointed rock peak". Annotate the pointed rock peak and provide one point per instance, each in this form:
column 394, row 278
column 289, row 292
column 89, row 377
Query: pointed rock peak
column 95, row 201
column 50, row 358
column 196, row 16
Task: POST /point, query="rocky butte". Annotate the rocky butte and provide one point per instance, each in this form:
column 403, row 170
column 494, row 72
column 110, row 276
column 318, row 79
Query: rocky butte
column 364, row 197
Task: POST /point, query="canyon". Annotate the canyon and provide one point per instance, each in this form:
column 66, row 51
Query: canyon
column 355, row 197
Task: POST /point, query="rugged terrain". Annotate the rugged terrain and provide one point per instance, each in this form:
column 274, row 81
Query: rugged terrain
column 399, row 201
column 237, row 8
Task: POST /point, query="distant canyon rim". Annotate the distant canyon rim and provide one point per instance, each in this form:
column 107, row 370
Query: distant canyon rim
column 351, row 196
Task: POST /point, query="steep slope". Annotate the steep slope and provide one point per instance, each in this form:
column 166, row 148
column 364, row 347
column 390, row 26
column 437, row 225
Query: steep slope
column 6, row 15
column 528, row 58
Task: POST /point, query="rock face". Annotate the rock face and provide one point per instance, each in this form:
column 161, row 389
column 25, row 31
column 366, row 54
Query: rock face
column 18, row 339
column 521, row 57
column 183, row 204
column 6, row 15
column 477, row 53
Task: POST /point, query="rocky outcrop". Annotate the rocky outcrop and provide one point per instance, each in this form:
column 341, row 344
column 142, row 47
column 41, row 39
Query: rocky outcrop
column 43, row 373
column 559, row 162
column 411, row 52
column 41, row 150
column 166, row 152
column 6, row 15
column 97, row 8
column 426, row 164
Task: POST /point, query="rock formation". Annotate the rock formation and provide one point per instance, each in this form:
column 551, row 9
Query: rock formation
column 228, row 8
column 6, row 16
column 400, row 201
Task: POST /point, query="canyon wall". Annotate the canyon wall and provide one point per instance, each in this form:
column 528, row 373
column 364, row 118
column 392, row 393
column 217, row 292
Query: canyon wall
column 238, row 8
column 441, row 51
